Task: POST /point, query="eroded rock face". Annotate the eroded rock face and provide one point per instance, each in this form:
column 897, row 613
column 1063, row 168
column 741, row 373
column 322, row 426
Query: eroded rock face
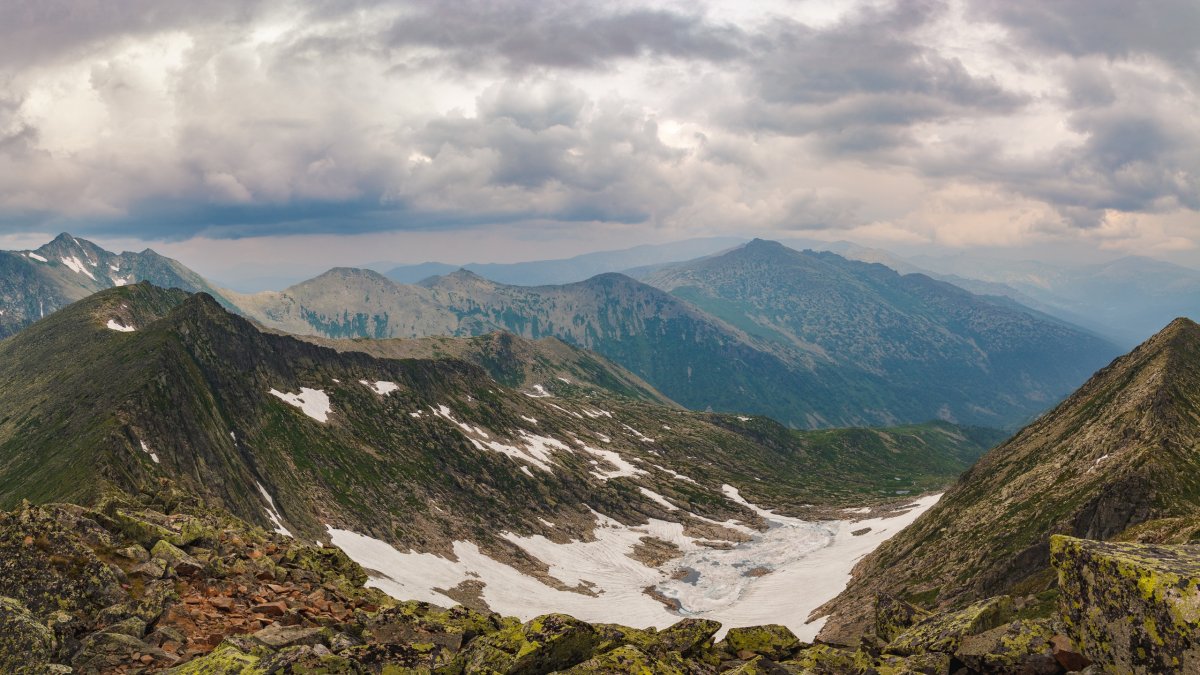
column 1134, row 608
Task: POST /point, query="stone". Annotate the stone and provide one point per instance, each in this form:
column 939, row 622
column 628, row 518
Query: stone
column 1023, row 646
column 1066, row 652
column 545, row 644
column 174, row 557
column 1134, row 608
column 773, row 641
column 628, row 659
column 23, row 640
column 758, row 665
column 893, row 616
column 271, row 608
column 943, row 632
column 280, row 637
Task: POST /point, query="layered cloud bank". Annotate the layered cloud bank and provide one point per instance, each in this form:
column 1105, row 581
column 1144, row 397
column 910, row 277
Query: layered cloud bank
column 971, row 122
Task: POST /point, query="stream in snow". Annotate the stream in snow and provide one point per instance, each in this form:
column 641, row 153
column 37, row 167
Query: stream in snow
column 779, row 576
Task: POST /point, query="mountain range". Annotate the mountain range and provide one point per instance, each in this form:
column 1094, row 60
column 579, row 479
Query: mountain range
column 810, row 339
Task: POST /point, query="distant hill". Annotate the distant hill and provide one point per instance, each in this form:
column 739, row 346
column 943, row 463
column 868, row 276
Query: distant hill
column 569, row 270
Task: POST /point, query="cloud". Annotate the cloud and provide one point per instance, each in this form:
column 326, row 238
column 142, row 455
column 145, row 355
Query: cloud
column 164, row 120
column 570, row 34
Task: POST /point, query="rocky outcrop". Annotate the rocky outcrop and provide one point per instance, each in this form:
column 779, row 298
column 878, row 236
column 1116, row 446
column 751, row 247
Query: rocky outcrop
column 1133, row 607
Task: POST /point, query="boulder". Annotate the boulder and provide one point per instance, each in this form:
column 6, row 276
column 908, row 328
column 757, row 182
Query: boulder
column 759, row 665
column 174, row 557
column 1133, row 608
column 24, row 642
column 281, row 637
column 413, row 621
column 944, row 632
column 1024, row 647
column 226, row 659
column 773, row 641
column 893, row 616
column 687, row 637
column 628, row 659
column 545, row 644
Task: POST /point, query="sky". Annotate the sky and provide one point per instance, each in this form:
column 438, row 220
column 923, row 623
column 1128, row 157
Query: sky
column 305, row 133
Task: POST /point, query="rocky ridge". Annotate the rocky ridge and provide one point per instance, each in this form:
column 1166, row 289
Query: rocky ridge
column 1116, row 460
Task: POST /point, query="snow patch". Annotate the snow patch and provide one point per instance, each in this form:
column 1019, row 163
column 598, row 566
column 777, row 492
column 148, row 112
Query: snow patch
column 36, row 257
column 743, row 418
column 150, row 452
column 313, row 402
column 531, row 420
column 272, row 512
column 538, row 392
column 77, row 266
column 113, row 324
column 381, row 387
column 658, row 499
column 640, row 435
column 674, row 474
column 621, row 467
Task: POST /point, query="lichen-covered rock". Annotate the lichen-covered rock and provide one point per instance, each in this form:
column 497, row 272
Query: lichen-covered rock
column 545, row 644
column 759, row 665
column 1022, row 647
column 773, row 641
column 175, row 558
column 23, row 641
column 1134, row 608
column 415, row 622
column 944, row 632
column 103, row 651
column 226, row 659
column 829, row 660
column 687, row 637
column 628, row 659
column 281, row 637
column 48, row 568
column 893, row 616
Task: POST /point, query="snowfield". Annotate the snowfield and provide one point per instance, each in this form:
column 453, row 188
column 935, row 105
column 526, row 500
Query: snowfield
column 780, row 576
column 113, row 324
column 313, row 402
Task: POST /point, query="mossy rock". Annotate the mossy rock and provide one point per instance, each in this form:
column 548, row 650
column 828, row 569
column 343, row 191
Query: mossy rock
column 1133, row 607
column 49, row 568
column 893, row 616
column 24, row 642
column 773, row 641
column 139, row 529
column 192, row 531
column 1017, row 647
column 829, row 660
column 103, row 651
column 944, row 632
column 416, row 622
column 174, row 557
column 328, row 561
column 226, row 659
column 309, row 660
column 629, row 659
column 759, row 665
column 545, row 644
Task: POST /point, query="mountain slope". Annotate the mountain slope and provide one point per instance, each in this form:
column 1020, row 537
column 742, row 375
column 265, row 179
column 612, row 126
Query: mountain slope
column 945, row 351
column 689, row 356
column 549, row 363
column 36, row 283
column 1117, row 459
column 480, row 484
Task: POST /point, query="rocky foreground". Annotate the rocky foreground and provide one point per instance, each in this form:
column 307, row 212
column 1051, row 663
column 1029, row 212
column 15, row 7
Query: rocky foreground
column 160, row 583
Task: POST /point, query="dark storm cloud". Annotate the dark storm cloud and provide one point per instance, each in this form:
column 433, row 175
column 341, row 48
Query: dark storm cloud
column 862, row 83
column 1111, row 28
column 33, row 31
column 562, row 34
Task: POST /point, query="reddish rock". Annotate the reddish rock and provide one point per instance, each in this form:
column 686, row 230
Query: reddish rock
column 1067, row 654
column 271, row 608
